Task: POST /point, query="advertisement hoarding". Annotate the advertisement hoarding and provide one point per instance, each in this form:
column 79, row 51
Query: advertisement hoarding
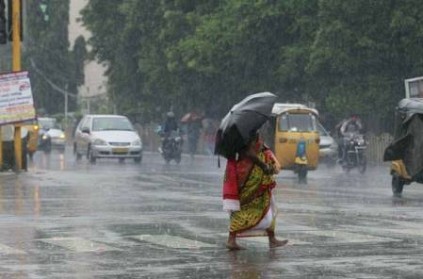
column 16, row 102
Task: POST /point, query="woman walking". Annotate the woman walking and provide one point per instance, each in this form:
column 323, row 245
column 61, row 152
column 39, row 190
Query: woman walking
column 247, row 194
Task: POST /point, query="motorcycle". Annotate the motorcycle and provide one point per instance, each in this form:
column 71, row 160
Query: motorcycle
column 355, row 156
column 44, row 141
column 172, row 147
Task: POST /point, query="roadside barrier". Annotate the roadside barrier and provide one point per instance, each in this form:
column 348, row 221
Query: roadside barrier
column 376, row 147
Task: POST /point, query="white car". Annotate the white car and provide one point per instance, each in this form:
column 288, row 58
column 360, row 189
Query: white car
column 328, row 148
column 107, row 136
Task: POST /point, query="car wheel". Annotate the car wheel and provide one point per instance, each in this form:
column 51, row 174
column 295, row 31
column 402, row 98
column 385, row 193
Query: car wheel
column 138, row 160
column 397, row 185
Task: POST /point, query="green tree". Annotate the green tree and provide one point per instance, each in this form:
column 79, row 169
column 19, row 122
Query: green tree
column 344, row 56
column 362, row 52
column 196, row 53
column 47, row 55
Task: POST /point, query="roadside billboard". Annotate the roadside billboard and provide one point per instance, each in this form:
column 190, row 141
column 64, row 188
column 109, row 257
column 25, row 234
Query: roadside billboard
column 414, row 87
column 16, row 102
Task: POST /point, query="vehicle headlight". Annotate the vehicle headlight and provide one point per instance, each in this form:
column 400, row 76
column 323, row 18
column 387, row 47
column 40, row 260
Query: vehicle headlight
column 45, row 137
column 62, row 135
column 136, row 142
column 99, row 142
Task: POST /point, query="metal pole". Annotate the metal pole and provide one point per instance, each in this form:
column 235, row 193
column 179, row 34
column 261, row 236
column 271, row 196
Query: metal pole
column 16, row 44
column 66, row 106
column 1, row 149
column 16, row 66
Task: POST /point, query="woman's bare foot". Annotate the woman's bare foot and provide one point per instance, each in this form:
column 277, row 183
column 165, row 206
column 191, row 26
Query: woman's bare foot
column 233, row 246
column 274, row 243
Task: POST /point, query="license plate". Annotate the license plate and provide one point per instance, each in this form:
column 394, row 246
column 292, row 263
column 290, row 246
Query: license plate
column 120, row 150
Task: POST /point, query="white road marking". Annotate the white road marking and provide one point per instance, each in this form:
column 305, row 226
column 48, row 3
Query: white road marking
column 7, row 250
column 78, row 244
column 393, row 231
column 264, row 240
column 348, row 237
column 173, row 241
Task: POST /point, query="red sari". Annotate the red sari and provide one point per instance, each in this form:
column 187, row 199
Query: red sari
column 247, row 194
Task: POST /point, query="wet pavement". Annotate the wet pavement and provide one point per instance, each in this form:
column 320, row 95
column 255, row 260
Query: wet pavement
column 68, row 219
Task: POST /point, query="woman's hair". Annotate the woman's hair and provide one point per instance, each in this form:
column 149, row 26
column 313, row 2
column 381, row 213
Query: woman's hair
column 254, row 137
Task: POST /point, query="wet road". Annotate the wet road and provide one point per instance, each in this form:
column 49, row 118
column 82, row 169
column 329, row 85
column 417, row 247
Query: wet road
column 64, row 219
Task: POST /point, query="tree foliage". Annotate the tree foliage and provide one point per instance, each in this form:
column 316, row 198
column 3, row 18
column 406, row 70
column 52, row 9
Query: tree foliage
column 48, row 58
column 346, row 56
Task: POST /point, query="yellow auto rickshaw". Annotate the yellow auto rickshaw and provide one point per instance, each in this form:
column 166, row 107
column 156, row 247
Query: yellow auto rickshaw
column 405, row 151
column 293, row 136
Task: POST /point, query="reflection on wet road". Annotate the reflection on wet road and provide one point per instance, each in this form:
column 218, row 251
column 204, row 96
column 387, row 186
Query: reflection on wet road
column 68, row 219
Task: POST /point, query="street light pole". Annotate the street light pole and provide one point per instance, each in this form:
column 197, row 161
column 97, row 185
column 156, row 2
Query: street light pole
column 16, row 66
column 66, row 107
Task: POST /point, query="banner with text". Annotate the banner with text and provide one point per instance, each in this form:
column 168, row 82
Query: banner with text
column 16, row 102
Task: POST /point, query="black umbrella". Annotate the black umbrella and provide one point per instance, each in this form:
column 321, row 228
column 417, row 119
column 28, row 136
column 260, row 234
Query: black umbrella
column 242, row 122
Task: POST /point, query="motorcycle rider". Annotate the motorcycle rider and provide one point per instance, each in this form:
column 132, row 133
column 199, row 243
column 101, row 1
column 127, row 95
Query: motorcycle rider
column 349, row 128
column 170, row 125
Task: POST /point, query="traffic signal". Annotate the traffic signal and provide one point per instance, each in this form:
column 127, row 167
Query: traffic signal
column 44, row 7
column 3, row 31
column 10, row 17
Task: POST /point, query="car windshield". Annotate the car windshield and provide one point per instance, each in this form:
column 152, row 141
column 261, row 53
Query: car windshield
column 47, row 123
column 112, row 124
column 297, row 122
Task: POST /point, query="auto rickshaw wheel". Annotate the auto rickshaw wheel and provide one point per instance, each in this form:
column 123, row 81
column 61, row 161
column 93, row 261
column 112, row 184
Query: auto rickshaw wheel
column 302, row 173
column 397, row 184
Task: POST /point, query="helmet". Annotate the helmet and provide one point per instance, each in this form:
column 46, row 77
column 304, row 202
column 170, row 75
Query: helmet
column 354, row 116
column 170, row 114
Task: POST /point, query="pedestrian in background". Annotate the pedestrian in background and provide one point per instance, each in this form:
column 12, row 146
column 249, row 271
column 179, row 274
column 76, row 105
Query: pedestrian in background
column 209, row 135
column 192, row 120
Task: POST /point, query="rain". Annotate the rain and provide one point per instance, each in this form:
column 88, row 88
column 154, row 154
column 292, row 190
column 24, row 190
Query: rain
column 210, row 139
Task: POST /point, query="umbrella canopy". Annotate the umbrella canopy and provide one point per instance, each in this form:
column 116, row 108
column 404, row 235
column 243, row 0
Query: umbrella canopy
column 190, row 117
column 242, row 122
